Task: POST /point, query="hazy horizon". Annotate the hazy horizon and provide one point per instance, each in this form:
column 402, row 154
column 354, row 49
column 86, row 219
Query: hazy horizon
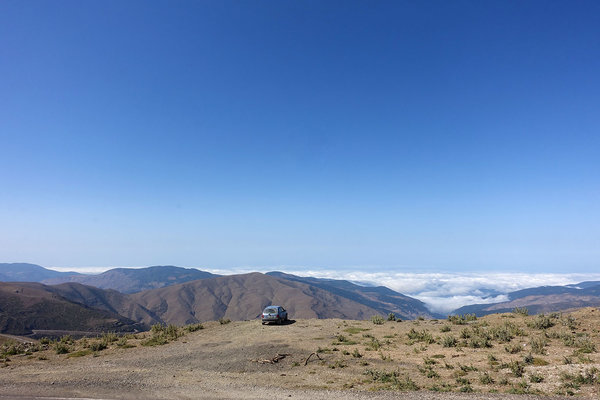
column 441, row 291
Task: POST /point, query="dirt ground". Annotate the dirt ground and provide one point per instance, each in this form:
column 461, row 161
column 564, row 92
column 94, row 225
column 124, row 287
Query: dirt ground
column 350, row 359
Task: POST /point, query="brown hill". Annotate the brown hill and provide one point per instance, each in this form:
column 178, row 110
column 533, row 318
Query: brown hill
column 242, row 297
column 542, row 299
column 380, row 298
column 107, row 300
column 27, row 306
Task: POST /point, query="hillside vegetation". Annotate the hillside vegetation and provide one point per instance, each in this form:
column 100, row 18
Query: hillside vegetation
column 513, row 353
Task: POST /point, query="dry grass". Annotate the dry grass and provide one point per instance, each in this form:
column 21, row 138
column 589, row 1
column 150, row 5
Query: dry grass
column 515, row 353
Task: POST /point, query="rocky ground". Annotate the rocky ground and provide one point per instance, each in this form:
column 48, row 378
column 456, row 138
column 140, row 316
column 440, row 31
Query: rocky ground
column 499, row 356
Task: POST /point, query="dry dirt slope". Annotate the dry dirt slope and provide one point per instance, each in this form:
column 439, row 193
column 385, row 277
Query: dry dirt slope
column 243, row 297
column 507, row 353
column 25, row 306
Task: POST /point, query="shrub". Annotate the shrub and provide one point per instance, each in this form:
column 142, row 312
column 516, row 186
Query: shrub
column 341, row 339
column 155, row 340
column 194, row 327
column 62, row 348
column 462, row 319
column 585, row 345
column 391, row 317
column 98, row 346
column 109, row 337
column 513, row 348
column 541, row 322
column 521, row 311
column 377, row 320
column 536, row 378
column 80, row 353
column 172, row 332
column 445, row 328
column 486, row 379
column 467, row 368
column 356, row 354
column 420, row 336
column 224, row 321
column 570, row 322
column 538, row 344
column 517, row 368
column 67, row 339
column 449, row 341
column 466, row 389
column 374, row 344
column 506, row 332
column 392, row 379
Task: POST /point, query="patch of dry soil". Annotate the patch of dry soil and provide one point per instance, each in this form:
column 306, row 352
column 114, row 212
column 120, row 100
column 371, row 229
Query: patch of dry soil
column 228, row 362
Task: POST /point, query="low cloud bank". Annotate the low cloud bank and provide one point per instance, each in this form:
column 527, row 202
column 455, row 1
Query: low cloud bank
column 445, row 292
column 441, row 292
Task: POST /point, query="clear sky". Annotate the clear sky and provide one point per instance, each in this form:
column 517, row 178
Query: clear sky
column 402, row 135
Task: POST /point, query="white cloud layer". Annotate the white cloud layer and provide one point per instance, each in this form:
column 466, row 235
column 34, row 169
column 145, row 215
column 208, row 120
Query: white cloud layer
column 441, row 292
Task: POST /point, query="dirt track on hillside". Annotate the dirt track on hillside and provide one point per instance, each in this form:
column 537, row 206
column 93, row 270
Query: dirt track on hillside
column 227, row 362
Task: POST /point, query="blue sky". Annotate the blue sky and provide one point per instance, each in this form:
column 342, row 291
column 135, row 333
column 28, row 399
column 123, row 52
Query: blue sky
column 406, row 136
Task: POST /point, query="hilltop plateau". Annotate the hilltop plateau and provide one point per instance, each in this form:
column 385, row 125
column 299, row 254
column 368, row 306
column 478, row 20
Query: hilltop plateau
column 494, row 357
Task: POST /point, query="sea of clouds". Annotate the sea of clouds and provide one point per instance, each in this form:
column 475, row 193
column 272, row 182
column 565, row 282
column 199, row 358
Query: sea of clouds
column 442, row 292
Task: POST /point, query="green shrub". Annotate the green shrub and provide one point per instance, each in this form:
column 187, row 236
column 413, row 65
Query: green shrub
column 172, row 332
column 67, row 339
column 538, row 344
column 445, row 328
column 392, row 379
column 374, row 344
column 585, row 345
column 194, row 327
column 521, row 311
column 570, row 322
column 109, row 338
column 342, row 340
column 98, row 346
column 486, row 379
column 420, row 336
column 377, row 320
column 513, row 348
column 541, row 322
column 536, row 378
column 80, row 353
column 462, row 319
column 505, row 332
column 449, row 341
column 517, row 368
column 155, row 340
column 224, row 321
column 61, row 348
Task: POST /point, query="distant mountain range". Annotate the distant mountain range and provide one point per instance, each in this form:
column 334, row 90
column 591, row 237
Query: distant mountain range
column 167, row 294
column 23, row 272
column 133, row 280
column 542, row 299
column 123, row 299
